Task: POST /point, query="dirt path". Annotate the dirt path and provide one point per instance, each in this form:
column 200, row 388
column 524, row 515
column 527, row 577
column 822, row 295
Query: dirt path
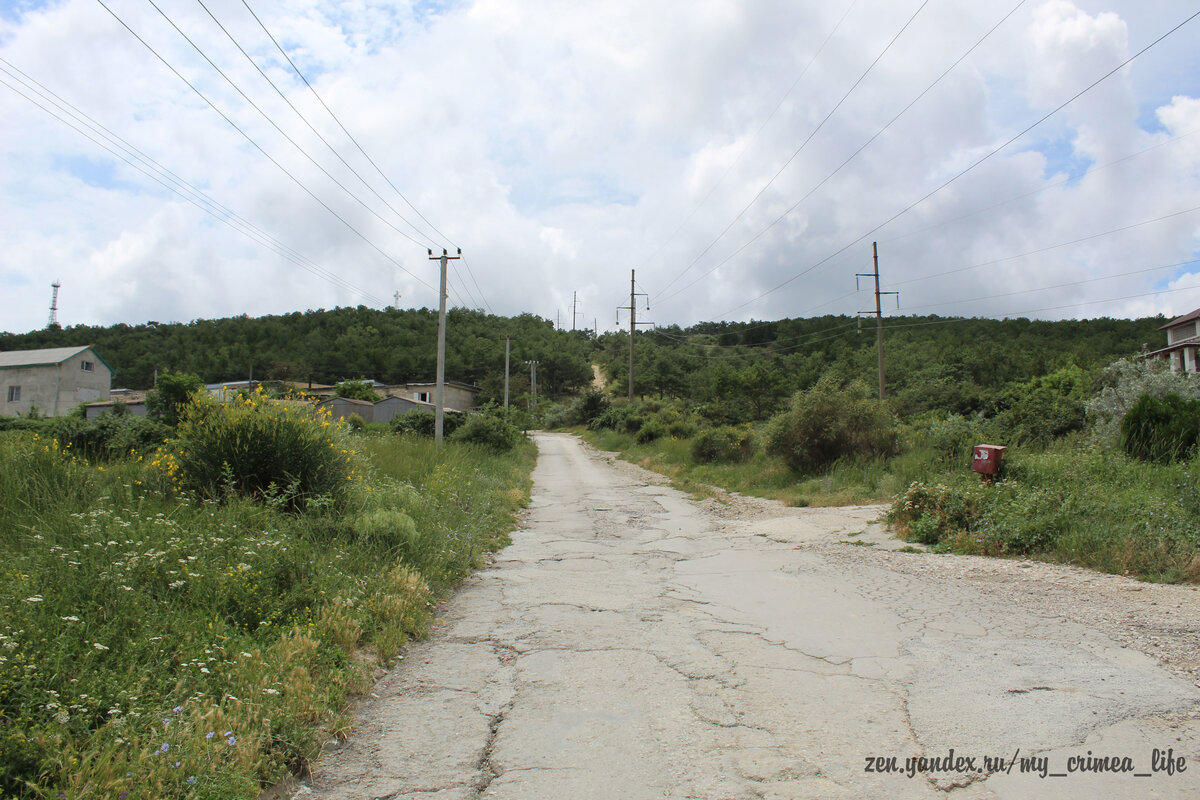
column 632, row 643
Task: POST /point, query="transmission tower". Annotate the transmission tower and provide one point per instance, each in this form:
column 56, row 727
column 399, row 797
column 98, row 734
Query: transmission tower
column 54, row 304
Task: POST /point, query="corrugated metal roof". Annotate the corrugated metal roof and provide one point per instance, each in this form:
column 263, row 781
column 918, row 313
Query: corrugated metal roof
column 10, row 359
column 1180, row 320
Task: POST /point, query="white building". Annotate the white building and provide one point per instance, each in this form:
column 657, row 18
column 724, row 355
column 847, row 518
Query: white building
column 1183, row 341
column 52, row 381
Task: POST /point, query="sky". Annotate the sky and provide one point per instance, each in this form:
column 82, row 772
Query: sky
column 166, row 161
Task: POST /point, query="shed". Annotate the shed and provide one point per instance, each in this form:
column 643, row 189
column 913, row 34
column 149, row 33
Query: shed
column 52, row 381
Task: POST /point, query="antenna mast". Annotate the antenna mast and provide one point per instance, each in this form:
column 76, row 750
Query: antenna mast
column 54, row 304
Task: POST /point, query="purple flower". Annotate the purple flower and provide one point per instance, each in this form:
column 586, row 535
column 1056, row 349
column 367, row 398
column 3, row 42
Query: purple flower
column 165, row 747
column 177, row 709
column 209, row 735
column 192, row 779
column 231, row 741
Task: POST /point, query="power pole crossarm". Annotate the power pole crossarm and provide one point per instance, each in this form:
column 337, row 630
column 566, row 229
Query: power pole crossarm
column 878, row 313
column 634, row 294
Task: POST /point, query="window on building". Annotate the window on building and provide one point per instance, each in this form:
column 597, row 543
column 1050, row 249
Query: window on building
column 87, row 366
column 421, row 396
column 14, row 394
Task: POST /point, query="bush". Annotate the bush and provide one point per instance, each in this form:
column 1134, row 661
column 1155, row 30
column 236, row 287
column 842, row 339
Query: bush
column 591, row 405
column 490, row 431
column 424, row 423
column 358, row 390
column 611, row 419
column 262, row 449
column 681, row 429
column 1162, row 430
column 1122, row 383
column 171, row 394
column 1043, row 409
column 650, row 431
column 111, row 436
column 827, row 423
column 725, row 444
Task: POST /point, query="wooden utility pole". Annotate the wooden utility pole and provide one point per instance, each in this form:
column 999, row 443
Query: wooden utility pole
column 507, row 342
column 439, row 393
column 878, row 313
column 634, row 294
column 533, row 365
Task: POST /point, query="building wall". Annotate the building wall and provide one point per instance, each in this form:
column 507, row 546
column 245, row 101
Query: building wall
column 55, row 389
column 457, row 398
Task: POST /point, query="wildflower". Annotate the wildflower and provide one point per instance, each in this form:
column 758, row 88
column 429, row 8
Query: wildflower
column 177, row 709
column 98, row 646
column 165, row 747
column 209, row 735
column 191, row 780
column 70, row 619
column 231, row 741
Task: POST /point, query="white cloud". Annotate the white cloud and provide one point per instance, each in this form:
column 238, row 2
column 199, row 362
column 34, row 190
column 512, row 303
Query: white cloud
column 563, row 143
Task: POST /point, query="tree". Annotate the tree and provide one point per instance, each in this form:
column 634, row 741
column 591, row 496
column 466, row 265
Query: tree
column 358, row 390
column 171, row 394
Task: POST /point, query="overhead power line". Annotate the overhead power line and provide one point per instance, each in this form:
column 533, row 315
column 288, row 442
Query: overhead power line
column 267, row 155
column 427, row 240
column 969, row 168
column 746, row 147
column 853, row 155
column 803, row 144
column 90, row 129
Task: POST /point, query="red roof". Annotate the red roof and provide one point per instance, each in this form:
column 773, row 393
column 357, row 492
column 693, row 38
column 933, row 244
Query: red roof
column 1180, row 320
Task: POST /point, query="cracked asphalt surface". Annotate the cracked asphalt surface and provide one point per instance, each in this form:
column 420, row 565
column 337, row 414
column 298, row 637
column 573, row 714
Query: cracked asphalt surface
column 634, row 643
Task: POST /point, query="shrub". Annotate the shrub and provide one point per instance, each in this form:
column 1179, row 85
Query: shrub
column 591, row 405
column 611, row 419
column 1043, row 409
column 1162, row 430
column 358, row 390
column 681, row 429
column 262, row 449
column 486, row 430
column 171, row 394
column 355, row 422
column 650, row 431
column 110, row 436
column 1122, row 383
column 424, row 423
column 724, row 444
column 826, row 423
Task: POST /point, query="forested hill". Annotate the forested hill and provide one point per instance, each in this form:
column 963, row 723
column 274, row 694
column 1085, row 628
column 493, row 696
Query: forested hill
column 326, row 346
column 942, row 363
column 948, row 364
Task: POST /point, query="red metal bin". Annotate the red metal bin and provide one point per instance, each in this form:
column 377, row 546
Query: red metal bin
column 987, row 460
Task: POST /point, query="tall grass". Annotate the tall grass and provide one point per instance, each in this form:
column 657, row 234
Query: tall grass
column 159, row 645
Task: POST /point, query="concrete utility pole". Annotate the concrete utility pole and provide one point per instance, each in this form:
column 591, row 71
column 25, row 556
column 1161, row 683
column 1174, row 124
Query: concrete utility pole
column 878, row 312
column 533, row 365
column 439, row 394
column 507, row 343
column 396, row 304
column 633, row 323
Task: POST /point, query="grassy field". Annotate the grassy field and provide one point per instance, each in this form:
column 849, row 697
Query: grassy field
column 155, row 644
column 1073, row 502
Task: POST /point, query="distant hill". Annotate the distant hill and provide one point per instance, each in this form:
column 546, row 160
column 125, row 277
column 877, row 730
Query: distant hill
column 326, row 346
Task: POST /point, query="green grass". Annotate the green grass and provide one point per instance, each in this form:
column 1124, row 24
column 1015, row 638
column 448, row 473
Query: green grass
column 845, row 483
column 158, row 645
column 1070, row 503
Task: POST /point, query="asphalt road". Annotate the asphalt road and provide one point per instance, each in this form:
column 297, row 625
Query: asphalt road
column 633, row 643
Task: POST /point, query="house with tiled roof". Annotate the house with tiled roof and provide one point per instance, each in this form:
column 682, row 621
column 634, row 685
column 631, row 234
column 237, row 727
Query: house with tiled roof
column 52, row 381
column 1183, row 342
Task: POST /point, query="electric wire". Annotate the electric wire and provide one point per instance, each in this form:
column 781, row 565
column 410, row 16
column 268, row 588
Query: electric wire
column 267, row 155
column 168, row 179
column 349, row 135
column 968, row 169
column 855, row 154
column 284, row 134
column 361, row 150
column 803, row 144
column 324, row 141
column 753, row 137
column 1047, row 248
